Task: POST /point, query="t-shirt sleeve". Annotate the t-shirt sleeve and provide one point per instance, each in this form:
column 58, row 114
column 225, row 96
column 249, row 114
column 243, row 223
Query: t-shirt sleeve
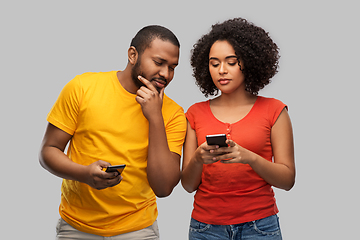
column 275, row 108
column 64, row 112
column 175, row 131
column 190, row 116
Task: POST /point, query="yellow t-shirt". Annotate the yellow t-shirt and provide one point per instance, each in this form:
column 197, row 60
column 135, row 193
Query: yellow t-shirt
column 108, row 124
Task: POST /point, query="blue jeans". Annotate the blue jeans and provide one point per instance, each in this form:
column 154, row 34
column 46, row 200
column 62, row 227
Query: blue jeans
column 265, row 228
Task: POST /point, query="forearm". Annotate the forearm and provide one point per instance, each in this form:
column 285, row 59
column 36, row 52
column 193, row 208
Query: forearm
column 191, row 175
column 163, row 167
column 57, row 163
column 276, row 174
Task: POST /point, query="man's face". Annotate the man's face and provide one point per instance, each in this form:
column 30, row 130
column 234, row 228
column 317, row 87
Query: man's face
column 157, row 64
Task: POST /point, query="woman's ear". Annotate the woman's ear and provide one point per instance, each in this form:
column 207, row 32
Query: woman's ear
column 132, row 55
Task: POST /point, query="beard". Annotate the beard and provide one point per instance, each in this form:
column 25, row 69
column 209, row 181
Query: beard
column 136, row 71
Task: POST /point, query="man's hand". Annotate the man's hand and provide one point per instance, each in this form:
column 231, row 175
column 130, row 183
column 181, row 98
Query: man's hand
column 149, row 98
column 98, row 179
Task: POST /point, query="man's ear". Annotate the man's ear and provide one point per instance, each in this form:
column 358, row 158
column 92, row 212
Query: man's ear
column 133, row 55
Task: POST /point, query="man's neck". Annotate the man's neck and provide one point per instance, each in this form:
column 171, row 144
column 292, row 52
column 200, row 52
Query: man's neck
column 126, row 82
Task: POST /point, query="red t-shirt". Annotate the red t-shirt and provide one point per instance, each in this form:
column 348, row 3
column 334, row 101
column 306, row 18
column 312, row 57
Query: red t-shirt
column 234, row 193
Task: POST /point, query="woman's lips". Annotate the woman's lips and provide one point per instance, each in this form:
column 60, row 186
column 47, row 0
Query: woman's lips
column 224, row 81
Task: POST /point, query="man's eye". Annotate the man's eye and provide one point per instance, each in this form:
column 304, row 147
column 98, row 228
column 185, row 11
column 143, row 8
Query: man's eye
column 157, row 63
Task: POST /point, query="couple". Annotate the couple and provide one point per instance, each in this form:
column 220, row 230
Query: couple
column 124, row 117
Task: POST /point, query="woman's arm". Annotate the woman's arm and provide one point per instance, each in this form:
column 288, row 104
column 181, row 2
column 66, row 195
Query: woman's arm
column 191, row 169
column 193, row 160
column 281, row 172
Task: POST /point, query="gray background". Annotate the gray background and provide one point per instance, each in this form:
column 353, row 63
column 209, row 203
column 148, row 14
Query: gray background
column 44, row 44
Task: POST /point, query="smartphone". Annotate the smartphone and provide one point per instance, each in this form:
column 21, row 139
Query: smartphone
column 216, row 139
column 118, row 168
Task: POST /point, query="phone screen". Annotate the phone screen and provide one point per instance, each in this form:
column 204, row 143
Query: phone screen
column 217, row 139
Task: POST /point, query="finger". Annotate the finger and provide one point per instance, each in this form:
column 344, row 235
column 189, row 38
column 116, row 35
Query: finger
column 147, row 83
column 106, row 175
column 209, row 147
column 141, row 93
column 113, row 182
column 139, row 99
column 162, row 93
column 224, row 156
column 231, row 143
column 110, row 175
column 103, row 164
column 229, row 160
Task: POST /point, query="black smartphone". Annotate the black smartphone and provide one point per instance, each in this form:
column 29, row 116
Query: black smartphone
column 216, row 139
column 118, row 168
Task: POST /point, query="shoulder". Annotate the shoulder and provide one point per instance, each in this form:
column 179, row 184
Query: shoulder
column 169, row 104
column 199, row 106
column 92, row 77
column 171, row 109
column 271, row 107
column 89, row 80
column 197, row 112
column 270, row 102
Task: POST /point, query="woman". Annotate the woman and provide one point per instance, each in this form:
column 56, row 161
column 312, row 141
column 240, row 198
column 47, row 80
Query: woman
column 234, row 197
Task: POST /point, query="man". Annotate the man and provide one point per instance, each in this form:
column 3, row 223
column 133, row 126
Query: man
column 113, row 118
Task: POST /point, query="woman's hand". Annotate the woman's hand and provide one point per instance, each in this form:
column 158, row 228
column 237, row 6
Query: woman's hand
column 234, row 153
column 207, row 154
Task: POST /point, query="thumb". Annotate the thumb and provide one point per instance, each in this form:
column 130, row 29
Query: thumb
column 103, row 164
column 231, row 143
column 161, row 93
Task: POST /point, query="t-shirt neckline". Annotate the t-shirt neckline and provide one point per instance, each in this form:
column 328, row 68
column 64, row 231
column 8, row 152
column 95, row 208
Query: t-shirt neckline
column 253, row 108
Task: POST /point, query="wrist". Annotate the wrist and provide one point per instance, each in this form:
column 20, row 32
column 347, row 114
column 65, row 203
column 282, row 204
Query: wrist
column 197, row 159
column 82, row 173
column 252, row 160
column 155, row 118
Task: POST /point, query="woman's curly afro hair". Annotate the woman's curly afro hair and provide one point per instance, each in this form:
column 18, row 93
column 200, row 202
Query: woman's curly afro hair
column 252, row 45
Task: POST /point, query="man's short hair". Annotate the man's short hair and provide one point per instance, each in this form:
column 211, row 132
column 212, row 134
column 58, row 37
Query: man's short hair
column 146, row 35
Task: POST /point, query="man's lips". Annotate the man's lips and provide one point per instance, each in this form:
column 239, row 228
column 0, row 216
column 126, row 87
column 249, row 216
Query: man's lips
column 160, row 83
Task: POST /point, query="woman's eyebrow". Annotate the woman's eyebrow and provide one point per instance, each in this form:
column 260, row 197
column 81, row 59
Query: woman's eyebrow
column 231, row 56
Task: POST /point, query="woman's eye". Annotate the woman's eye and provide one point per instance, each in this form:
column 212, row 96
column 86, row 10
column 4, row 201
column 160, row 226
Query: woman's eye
column 232, row 63
column 214, row 64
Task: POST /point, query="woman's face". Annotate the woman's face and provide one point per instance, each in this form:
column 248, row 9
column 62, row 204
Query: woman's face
column 224, row 68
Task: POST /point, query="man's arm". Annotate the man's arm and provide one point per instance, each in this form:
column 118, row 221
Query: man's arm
column 53, row 159
column 163, row 167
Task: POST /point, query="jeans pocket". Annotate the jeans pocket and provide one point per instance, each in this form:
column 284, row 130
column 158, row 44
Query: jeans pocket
column 196, row 226
column 267, row 226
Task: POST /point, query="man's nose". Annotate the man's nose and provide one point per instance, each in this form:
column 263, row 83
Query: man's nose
column 164, row 72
